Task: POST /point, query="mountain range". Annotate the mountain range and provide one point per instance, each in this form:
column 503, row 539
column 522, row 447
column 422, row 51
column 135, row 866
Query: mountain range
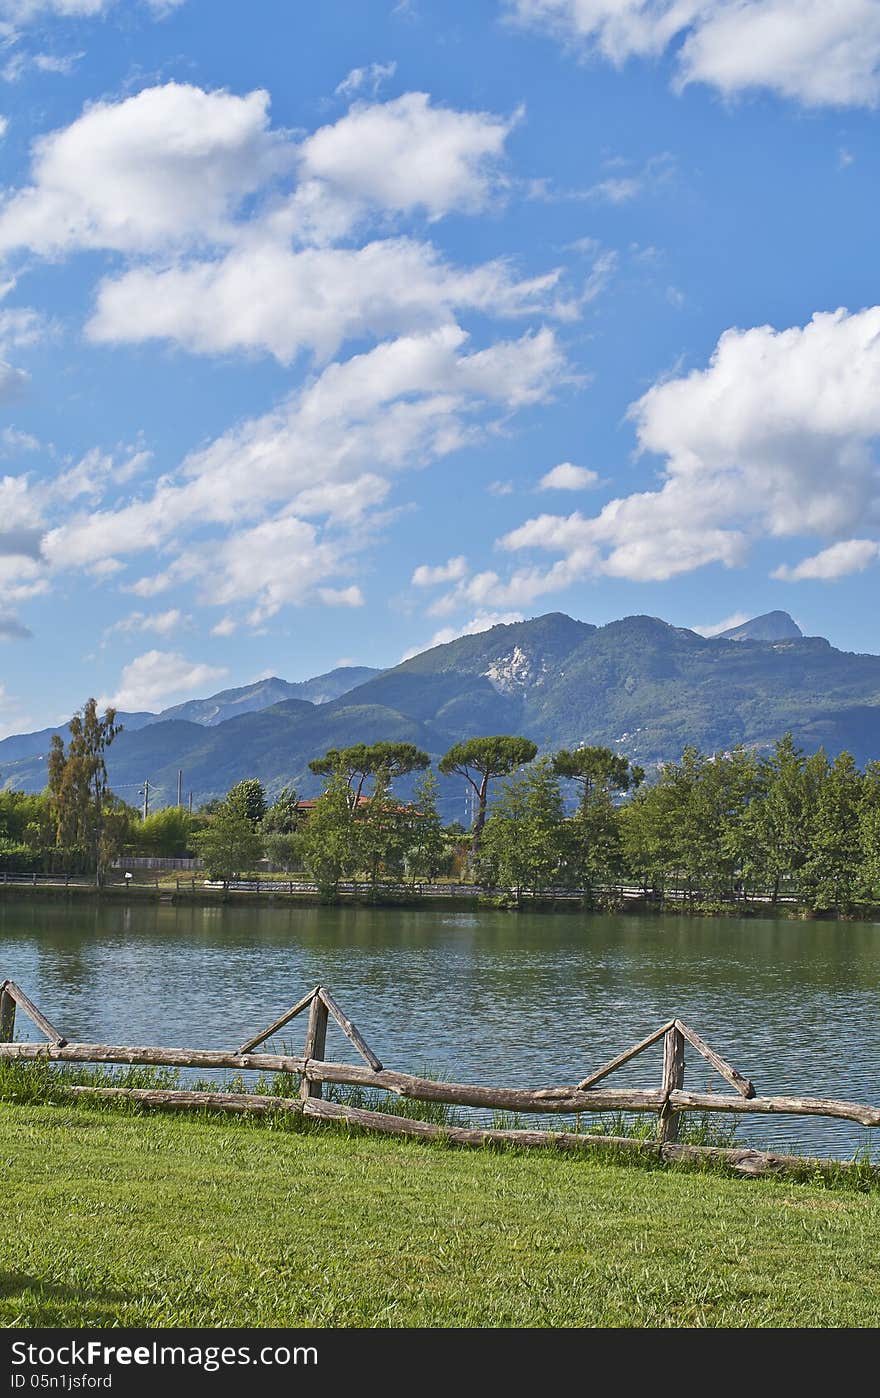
column 640, row 685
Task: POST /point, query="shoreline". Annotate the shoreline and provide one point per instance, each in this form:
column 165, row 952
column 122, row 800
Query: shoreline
column 167, row 895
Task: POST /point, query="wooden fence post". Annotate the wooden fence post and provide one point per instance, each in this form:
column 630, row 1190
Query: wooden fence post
column 316, row 1038
column 673, row 1081
column 7, row 1017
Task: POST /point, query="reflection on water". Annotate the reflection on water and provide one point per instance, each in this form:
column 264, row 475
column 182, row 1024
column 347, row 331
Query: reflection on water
column 492, row 997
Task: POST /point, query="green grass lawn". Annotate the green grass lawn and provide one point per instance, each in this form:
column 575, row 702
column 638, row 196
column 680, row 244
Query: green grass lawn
column 112, row 1218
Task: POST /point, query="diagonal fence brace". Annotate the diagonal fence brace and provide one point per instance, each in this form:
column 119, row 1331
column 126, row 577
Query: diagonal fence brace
column 24, row 1003
column 277, row 1024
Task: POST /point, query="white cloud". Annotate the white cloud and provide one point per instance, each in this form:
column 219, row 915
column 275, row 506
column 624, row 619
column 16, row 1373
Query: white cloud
column 20, row 63
column 838, row 561
column 227, row 626
column 151, row 679
column 716, row 627
column 160, row 622
column 567, row 476
column 400, row 405
column 483, row 621
column 774, row 438
column 13, row 440
column 341, row 596
column 406, row 155
column 20, row 12
column 451, row 571
column 809, row 50
column 166, row 167
column 266, row 296
column 369, row 78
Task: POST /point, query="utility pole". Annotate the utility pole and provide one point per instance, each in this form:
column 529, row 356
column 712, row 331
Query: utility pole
column 179, row 787
column 190, row 803
column 146, row 798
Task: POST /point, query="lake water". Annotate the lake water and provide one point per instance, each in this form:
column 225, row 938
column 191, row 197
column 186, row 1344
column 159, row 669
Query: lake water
column 505, row 999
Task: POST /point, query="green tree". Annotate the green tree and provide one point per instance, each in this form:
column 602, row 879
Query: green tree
column 329, row 843
column 248, row 799
column 428, row 854
column 165, row 832
column 603, row 776
column 479, row 761
column 284, row 816
column 869, row 835
column 526, row 844
column 228, row 846
column 383, row 831
column 82, row 802
column 777, row 828
column 363, row 760
column 833, row 870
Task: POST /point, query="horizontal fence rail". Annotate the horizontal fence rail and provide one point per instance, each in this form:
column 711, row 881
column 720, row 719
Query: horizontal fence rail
column 668, row 1102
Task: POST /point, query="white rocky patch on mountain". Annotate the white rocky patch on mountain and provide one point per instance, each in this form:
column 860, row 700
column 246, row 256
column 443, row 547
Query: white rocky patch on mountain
column 514, row 672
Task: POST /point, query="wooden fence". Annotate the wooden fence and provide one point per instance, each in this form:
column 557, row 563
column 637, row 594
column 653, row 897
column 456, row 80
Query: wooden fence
column 668, row 1101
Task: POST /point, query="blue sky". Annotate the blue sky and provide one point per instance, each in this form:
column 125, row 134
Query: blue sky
column 329, row 331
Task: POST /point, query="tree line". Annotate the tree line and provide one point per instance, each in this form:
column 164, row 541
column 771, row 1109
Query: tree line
column 709, row 830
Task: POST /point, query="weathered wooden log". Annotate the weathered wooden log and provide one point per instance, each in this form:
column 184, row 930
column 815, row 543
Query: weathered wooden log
column 744, row 1161
column 466, row 1135
column 351, row 1032
column 736, row 1080
column 316, row 1038
column 776, row 1106
column 7, row 1015
column 273, row 1028
column 673, row 1079
column 747, row 1162
column 624, row 1057
column 163, row 1057
column 253, row 1104
column 501, row 1098
column 36, row 1016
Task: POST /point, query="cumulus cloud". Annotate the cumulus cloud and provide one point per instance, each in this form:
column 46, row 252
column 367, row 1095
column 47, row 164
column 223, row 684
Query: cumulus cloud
column 149, row 680
column 329, row 448
column 774, row 438
column 567, row 476
column 408, row 154
column 269, row 297
column 483, row 621
column 341, row 596
column 817, row 53
column 451, row 571
column 166, row 167
column 837, row 561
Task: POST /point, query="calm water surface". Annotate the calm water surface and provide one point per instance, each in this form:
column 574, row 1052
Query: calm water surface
column 531, row 1000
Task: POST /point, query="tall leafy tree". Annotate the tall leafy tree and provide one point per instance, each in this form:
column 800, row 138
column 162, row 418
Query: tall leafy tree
column 778, row 826
column 228, row 845
column 82, row 801
column 479, row 761
column 364, row 760
column 526, row 843
column 383, row 829
column 428, row 853
column 602, row 777
column 247, row 799
column 329, row 842
column 832, row 872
